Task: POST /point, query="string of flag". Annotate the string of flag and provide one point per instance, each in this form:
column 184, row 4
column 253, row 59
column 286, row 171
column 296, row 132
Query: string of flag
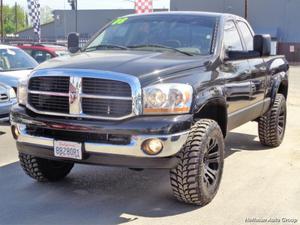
column 34, row 11
column 143, row 6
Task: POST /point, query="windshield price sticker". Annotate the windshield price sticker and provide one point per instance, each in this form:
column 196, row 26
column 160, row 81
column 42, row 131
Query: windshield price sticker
column 120, row 21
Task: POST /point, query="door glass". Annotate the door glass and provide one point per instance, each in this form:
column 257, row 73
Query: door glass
column 247, row 35
column 28, row 51
column 232, row 40
column 41, row 56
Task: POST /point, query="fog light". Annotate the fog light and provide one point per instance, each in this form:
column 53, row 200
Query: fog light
column 15, row 132
column 152, row 146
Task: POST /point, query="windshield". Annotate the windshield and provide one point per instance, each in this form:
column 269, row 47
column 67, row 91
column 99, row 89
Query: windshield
column 187, row 33
column 15, row 59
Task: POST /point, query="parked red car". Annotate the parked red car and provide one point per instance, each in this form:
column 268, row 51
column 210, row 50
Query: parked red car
column 43, row 52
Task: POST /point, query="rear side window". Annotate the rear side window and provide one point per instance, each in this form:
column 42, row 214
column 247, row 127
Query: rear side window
column 28, row 51
column 232, row 40
column 247, row 35
column 41, row 56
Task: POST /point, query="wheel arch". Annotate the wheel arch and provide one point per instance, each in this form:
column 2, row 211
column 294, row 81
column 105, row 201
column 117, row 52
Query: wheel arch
column 215, row 109
column 281, row 86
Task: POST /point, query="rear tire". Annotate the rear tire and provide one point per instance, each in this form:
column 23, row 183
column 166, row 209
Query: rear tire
column 44, row 170
column 271, row 127
column 197, row 177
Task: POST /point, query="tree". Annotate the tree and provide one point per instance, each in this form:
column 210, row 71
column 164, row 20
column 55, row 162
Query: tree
column 46, row 15
column 11, row 15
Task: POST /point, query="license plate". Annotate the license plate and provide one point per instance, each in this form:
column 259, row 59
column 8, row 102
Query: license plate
column 66, row 149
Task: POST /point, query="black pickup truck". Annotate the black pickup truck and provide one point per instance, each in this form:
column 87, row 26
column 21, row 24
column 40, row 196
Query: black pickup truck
column 159, row 90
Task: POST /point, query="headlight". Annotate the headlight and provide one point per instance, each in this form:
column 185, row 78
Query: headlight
column 167, row 99
column 22, row 92
column 12, row 93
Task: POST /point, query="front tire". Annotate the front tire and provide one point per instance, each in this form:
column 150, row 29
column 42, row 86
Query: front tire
column 271, row 127
column 44, row 170
column 197, row 177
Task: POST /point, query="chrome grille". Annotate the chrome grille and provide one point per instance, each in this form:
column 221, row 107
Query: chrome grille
column 3, row 97
column 105, row 107
column 49, row 103
column 103, row 87
column 51, row 83
column 84, row 94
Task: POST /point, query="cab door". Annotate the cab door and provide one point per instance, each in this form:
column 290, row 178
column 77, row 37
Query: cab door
column 257, row 67
column 235, row 72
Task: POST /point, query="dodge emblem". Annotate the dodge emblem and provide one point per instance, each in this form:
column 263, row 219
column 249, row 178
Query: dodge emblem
column 72, row 93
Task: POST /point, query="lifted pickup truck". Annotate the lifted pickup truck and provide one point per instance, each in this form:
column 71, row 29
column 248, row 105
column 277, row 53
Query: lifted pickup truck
column 152, row 91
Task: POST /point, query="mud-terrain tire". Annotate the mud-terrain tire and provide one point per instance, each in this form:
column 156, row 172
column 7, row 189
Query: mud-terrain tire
column 197, row 177
column 44, row 170
column 271, row 126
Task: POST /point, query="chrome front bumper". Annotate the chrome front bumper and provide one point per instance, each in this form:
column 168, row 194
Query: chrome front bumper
column 172, row 144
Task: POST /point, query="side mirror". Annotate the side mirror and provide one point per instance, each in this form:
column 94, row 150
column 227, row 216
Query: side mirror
column 262, row 44
column 73, row 42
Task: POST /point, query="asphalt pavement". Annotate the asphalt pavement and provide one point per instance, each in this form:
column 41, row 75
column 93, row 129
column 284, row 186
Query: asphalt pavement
column 259, row 186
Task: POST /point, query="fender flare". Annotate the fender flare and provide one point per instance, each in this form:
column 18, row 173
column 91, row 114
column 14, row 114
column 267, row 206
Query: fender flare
column 279, row 79
column 213, row 100
column 208, row 95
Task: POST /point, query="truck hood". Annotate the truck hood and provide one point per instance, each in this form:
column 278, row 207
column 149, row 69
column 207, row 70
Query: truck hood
column 11, row 78
column 142, row 64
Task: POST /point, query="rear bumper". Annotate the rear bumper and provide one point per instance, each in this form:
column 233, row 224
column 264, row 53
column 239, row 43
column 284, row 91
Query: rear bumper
column 129, row 155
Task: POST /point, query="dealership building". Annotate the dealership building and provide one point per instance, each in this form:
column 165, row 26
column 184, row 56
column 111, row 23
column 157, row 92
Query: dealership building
column 280, row 18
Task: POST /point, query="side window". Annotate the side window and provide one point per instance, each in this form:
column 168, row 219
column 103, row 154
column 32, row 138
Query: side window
column 247, row 35
column 41, row 56
column 28, row 51
column 232, row 40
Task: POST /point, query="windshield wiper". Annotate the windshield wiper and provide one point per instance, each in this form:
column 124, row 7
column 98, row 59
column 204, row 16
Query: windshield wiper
column 106, row 46
column 160, row 46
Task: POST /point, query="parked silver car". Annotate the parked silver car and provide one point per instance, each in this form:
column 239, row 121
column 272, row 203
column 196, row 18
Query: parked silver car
column 7, row 100
column 15, row 65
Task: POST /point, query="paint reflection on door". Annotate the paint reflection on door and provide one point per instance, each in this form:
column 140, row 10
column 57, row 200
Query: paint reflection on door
column 238, row 84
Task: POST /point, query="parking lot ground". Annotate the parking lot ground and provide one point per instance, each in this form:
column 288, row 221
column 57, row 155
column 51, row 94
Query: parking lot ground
column 258, row 183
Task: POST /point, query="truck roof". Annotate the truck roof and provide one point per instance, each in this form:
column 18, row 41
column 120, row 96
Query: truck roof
column 186, row 13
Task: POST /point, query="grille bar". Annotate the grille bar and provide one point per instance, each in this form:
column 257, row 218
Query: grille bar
column 49, row 93
column 105, row 97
